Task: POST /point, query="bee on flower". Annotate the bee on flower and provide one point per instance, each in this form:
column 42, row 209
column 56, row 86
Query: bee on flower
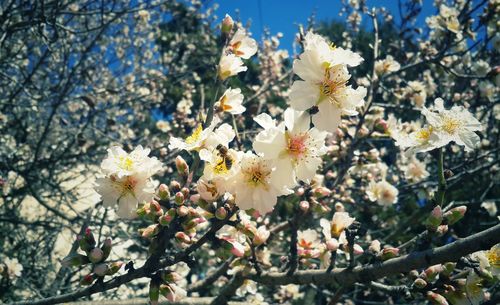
column 324, row 83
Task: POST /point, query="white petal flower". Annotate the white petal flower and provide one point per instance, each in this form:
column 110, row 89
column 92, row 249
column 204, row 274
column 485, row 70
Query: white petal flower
column 454, row 125
column 324, row 84
column 230, row 65
column 386, row 65
column 297, row 150
column 121, row 164
column 333, row 229
column 231, row 101
column 197, row 140
column 256, row 185
column 415, row 170
column 382, row 192
column 241, row 45
column 14, row 268
column 125, row 192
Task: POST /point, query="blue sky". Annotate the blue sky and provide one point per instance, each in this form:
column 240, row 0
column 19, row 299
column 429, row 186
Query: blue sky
column 284, row 15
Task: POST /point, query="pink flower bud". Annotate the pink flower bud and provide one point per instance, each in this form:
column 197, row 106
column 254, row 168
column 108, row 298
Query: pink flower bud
column 420, row 283
column 455, row 214
column 381, row 126
column 87, row 279
column 150, row 231
column 442, row 230
column 163, row 192
column 261, row 235
column 300, row 191
column 179, row 198
column 238, row 249
column 434, row 219
column 389, row 252
column 432, row 272
column 182, row 237
column 96, row 255
column 332, row 244
column 321, row 191
column 100, row 269
column 182, row 166
column 227, row 24
column 195, row 198
column 304, row 205
column 182, row 211
column 221, row 213
column 339, row 207
column 374, row 246
column 175, row 186
column 358, row 250
column 436, row 298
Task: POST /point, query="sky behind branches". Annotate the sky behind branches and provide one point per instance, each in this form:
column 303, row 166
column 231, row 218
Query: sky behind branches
column 284, row 15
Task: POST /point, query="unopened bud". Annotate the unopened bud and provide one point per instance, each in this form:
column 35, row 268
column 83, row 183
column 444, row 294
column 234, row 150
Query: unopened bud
column 155, row 208
column 420, row 283
column 304, row 205
column 321, row 191
column 448, row 268
column 179, row 198
column 106, row 248
column 96, row 255
column 374, row 246
column 182, row 166
column 175, row 186
column 114, row 268
column 300, row 191
column 455, row 214
column 163, row 192
column 381, row 126
column 442, row 230
column 436, row 298
column 182, row 237
column 75, row 260
column 167, row 218
column 388, row 253
column 434, row 219
column 185, row 191
column 339, row 207
column 87, row 279
column 221, row 213
column 227, row 25
column 432, row 272
column 195, row 198
column 100, row 269
column 332, row 244
column 150, row 231
column 182, row 211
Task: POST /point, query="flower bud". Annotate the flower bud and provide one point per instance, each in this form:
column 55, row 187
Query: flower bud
column 455, row 214
column 357, row 250
column 175, row 186
column 114, row 268
column 182, row 211
column 179, row 198
column 86, row 241
column 374, row 246
column 150, row 231
column 106, row 248
column 195, row 198
column 381, row 126
column 155, row 208
column 227, row 25
column 420, row 283
column 182, row 237
column 448, row 268
column 436, row 298
column 154, row 291
column 304, row 205
column 389, row 252
column 221, row 213
column 339, row 207
column 182, row 166
column 434, row 219
column 300, row 191
column 96, row 255
column 432, row 272
column 75, row 260
column 100, row 269
column 442, row 230
column 185, row 191
column 321, row 191
column 191, row 224
column 87, row 279
column 332, row 244
column 163, row 192
column 167, row 218
column 238, row 249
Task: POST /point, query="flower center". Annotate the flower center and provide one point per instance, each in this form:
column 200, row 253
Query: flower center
column 330, row 88
column 195, row 136
column 424, row 134
column 493, row 256
column 257, row 175
column 222, row 104
column 296, row 145
column 450, row 125
column 304, row 243
column 126, row 163
column 124, row 186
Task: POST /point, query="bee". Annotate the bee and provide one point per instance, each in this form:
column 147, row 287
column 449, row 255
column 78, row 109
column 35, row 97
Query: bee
column 227, row 160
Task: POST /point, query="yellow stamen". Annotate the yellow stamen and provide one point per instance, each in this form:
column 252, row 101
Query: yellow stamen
column 195, row 136
column 450, row 125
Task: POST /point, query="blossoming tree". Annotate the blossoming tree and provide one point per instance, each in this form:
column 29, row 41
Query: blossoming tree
column 364, row 169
